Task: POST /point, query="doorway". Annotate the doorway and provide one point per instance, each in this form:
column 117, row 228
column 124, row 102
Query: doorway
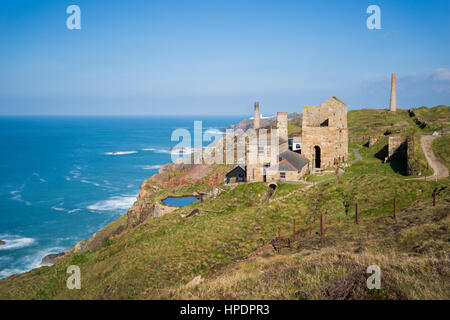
column 317, row 156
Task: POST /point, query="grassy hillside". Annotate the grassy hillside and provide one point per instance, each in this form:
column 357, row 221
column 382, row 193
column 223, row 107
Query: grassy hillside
column 441, row 147
column 412, row 254
column 158, row 257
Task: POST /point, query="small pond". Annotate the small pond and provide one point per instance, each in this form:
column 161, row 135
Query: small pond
column 179, row 202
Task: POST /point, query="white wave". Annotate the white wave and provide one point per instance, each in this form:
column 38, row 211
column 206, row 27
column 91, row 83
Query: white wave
column 262, row 117
column 90, row 182
column 75, row 174
column 153, row 167
column 119, row 153
column 18, row 197
column 113, row 204
column 73, row 210
column 58, row 209
column 157, row 150
column 30, row 262
column 15, row 242
column 214, row 132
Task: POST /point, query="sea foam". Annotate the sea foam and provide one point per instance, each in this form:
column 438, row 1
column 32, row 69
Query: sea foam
column 120, row 153
column 113, row 204
column 15, row 242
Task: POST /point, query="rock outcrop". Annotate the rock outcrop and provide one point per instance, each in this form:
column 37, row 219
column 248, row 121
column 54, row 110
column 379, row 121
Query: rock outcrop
column 51, row 259
column 2, row 242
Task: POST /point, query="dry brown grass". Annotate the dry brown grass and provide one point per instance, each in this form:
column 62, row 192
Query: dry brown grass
column 413, row 255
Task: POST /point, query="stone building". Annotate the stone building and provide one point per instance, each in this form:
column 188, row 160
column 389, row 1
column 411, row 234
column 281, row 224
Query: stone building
column 325, row 133
column 264, row 146
column 291, row 167
column 324, row 143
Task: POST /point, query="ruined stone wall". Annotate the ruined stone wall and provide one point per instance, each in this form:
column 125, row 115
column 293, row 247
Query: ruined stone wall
column 397, row 147
column 294, row 176
column 333, row 109
column 331, row 137
column 282, row 125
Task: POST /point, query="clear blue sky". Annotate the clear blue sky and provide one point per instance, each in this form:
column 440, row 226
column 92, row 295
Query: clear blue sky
column 217, row 57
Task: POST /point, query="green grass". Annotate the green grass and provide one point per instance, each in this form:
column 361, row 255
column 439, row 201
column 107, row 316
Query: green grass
column 441, row 147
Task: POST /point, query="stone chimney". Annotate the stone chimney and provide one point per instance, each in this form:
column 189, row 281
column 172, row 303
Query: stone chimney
column 282, row 125
column 393, row 104
column 256, row 116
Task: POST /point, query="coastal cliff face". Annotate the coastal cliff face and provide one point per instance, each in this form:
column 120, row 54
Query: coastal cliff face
column 174, row 179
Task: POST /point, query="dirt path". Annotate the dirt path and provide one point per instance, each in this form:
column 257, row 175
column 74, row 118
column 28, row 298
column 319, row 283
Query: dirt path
column 440, row 170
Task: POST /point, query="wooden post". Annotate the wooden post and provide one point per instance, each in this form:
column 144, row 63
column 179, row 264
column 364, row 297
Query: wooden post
column 395, row 208
column 356, row 212
column 310, row 229
column 434, row 198
column 293, row 227
column 279, row 240
column 321, row 225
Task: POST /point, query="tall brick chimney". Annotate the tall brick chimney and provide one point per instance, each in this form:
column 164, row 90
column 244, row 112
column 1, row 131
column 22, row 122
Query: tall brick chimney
column 256, row 116
column 282, row 125
column 393, row 104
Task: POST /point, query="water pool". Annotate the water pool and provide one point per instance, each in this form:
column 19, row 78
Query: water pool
column 180, row 201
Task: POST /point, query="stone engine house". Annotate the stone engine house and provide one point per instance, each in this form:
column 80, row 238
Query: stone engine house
column 325, row 134
column 324, row 143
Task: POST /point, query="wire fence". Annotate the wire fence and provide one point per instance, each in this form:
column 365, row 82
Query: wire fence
column 287, row 241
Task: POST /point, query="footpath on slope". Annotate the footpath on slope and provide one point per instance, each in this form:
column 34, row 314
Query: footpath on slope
column 440, row 169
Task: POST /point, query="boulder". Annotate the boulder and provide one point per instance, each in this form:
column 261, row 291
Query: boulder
column 2, row 242
column 51, row 259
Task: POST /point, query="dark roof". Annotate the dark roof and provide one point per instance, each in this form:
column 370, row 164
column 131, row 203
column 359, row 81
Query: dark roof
column 238, row 170
column 294, row 159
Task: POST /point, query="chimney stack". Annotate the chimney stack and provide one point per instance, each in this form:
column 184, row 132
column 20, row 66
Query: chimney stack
column 282, row 125
column 393, row 104
column 256, row 117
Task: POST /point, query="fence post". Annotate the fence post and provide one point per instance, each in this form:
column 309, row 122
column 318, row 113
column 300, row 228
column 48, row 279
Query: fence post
column 310, row 229
column 434, row 198
column 293, row 227
column 321, row 225
column 279, row 240
column 395, row 208
column 356, row 212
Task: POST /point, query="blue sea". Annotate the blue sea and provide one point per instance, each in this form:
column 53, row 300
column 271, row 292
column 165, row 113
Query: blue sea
column 64, row 178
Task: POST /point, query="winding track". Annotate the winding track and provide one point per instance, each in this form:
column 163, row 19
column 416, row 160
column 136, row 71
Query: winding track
column 440, row 169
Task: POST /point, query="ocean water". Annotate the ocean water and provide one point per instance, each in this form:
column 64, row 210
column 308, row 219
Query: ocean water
column 64, row 178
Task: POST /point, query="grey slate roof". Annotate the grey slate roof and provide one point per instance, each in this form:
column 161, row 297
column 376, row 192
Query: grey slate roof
column 296, row 160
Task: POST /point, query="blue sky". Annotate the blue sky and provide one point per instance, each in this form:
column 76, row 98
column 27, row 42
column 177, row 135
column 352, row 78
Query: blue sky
column 217, row 57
